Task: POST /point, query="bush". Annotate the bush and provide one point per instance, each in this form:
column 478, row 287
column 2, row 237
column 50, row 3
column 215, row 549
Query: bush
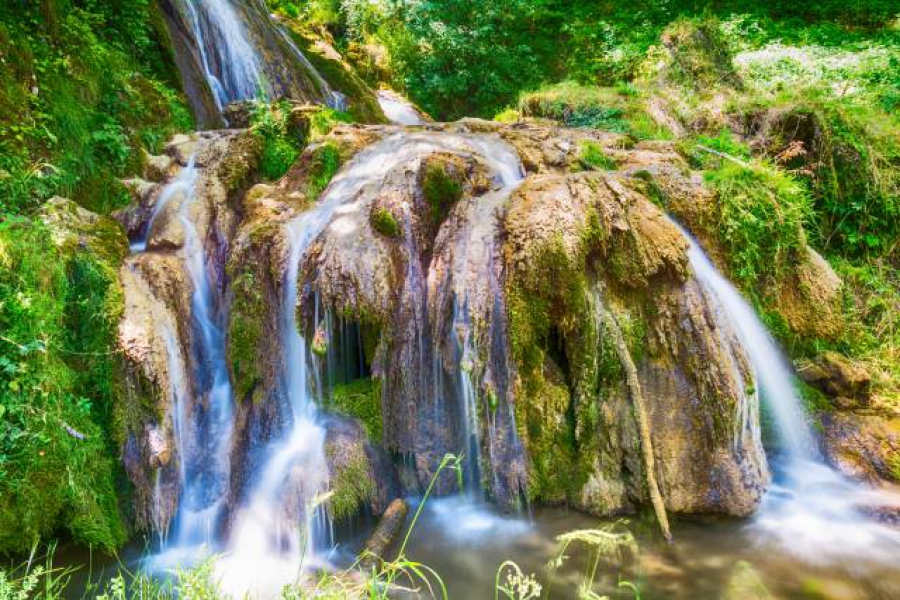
column 84, row 87
column 280, row 149
column 761, row 221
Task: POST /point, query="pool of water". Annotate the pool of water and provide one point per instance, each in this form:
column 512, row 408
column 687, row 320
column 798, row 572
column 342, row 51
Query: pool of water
column 466, row 546
column 466, row 543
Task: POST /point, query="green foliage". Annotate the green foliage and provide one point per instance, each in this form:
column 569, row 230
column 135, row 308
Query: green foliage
column 761, row 220
column 326, row 162
column 360, row 399
column 324, row 120
column 591, row 156
column 620, row 109
column 441, row 192
column 384, row 223
column 84, row 87
column 280, row 149
column 58, row 388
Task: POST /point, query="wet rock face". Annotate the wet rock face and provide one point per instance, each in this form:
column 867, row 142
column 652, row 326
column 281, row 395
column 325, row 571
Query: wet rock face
column 475, row 263
column 577, row 245
column 361, row 475
column 548, row 257
column 849, row 383
column 156, row 335
column 863, row 446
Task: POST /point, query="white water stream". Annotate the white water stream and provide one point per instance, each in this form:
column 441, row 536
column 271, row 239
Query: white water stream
column 397, row 109
column 812, row 511
column 230, row 62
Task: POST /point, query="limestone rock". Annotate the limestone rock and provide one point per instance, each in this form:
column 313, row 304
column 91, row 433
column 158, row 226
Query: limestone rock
column 159, row 167
column 74, row 228
column 360, row 475
column 863, row 446
column 840, row 378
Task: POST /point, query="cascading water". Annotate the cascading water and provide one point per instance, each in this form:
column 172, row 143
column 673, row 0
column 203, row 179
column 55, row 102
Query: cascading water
column 474, row 264
column 202, row 428
column 206, row 472
column 229, row 60
column 182, row 184
column 812, row 511
column 397, row 109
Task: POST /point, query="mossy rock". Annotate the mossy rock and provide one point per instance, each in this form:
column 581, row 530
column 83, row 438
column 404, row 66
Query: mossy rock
column 362, row 102
column 361, row 400
column 383, row 222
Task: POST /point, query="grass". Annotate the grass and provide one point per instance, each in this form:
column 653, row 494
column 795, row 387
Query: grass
column 619, row 109
column 592, row 157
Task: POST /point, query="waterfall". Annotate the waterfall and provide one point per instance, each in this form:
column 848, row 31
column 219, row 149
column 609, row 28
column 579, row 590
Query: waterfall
column 206, row 466
column 812, row 511
column 271, row 547
column 474, row 265
column 229, row 60
column 183, row 184
column 397, row 109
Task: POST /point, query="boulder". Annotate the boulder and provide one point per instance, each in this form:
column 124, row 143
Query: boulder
column 847, row 381
column 360, row 475
column 159, row 167
column 863, row 446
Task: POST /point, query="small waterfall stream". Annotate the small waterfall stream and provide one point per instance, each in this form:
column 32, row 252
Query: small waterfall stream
column 230, row 62
column 812, row 511
column 475, row 263
column 207, row 463
column 397, row 109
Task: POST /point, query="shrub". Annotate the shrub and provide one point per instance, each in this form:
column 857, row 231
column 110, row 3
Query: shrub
column 280, row 149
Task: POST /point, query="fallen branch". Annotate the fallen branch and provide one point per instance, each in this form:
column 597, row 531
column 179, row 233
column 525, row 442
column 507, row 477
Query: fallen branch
column 637, row 399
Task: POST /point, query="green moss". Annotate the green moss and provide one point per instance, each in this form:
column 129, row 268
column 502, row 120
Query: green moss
column 441, row 192
column 351, row 488
column 550, row 435
column 59, row 311
column 326, row 162
column 360, row 399
column 384, row 223
column 245, row 336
